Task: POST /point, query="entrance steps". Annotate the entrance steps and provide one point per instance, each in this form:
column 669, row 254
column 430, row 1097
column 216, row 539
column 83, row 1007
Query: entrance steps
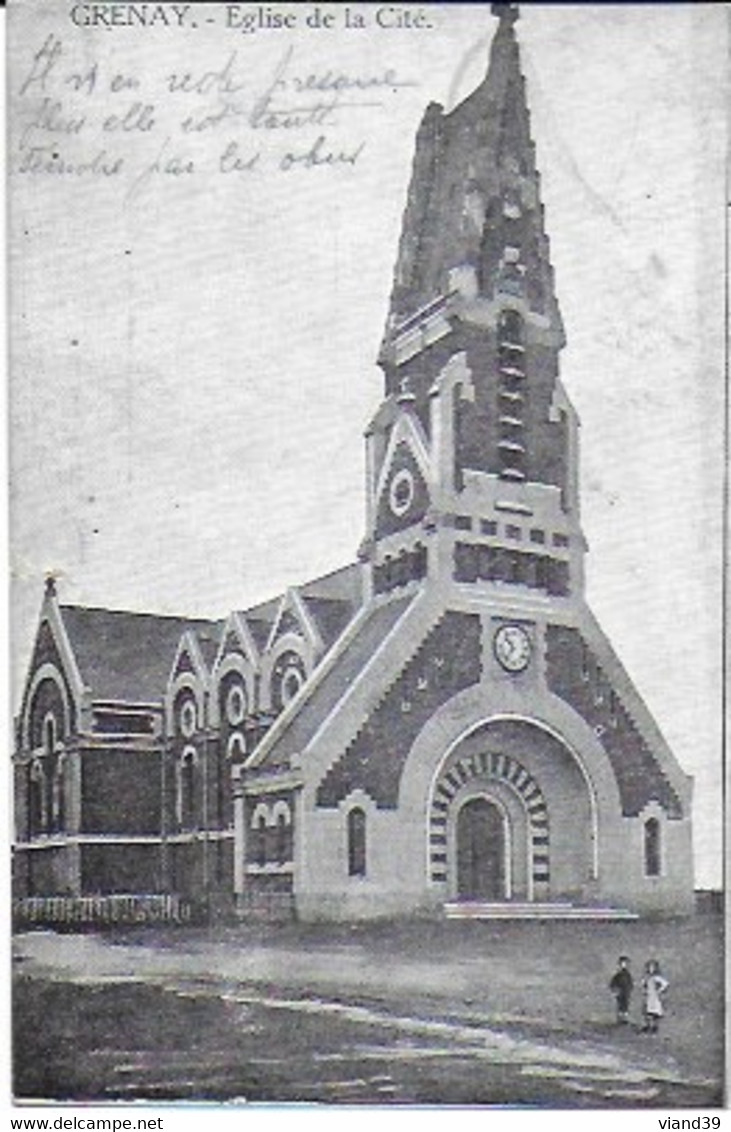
column 534, row 910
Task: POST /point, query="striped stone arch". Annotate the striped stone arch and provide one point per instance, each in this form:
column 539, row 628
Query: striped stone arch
column 502, row 768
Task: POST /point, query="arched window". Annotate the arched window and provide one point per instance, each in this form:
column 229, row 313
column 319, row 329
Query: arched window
column 282, row 843
column 36, row 798
column 49, row 734
column 59, row 794
column 418, row 561
column 261, row 840
column 511, row 328
column 48, row 706
column 356, row 842
column 281, row 818
column 515, row 569
column 186, row 788
column 291, row 684
column 652, row 847
column 236, row 748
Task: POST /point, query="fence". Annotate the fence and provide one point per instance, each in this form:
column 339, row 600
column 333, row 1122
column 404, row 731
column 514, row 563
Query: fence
column 117, row 909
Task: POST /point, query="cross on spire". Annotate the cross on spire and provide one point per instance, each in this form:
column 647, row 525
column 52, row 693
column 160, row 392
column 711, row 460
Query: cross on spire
column 507, row 13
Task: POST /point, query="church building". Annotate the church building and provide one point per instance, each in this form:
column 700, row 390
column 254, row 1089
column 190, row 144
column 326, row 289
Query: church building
column 438, row 727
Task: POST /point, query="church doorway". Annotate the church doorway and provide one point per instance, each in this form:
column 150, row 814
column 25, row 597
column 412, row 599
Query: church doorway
column 481, row 851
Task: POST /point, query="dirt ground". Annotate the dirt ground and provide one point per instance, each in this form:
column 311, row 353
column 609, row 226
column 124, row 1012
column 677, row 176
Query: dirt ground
column 460, row 1013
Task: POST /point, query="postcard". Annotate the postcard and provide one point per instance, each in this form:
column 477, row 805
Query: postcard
column 367, row 471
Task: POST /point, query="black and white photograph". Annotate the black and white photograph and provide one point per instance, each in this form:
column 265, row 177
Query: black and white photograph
column 367, row 469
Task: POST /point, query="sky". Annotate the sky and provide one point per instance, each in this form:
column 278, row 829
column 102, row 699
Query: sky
column 193, row 341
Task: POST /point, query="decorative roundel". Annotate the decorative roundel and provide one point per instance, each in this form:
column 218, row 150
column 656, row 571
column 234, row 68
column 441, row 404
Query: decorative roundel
column 512, row 647
column 288, row 677
column 401, row 492
column 187, row 718
column 235, row 704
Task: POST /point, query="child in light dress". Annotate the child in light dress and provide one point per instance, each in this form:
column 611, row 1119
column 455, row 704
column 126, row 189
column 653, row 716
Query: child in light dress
column 654, row 986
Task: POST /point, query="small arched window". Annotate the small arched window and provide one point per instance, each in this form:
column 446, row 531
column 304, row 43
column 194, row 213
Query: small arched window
column 515, row 569
column 37, row 810
column 281, row 818
column 59, row 794
column 282, row 839
column 261, row 840
column 511, row 328
column 652, row 847
column 236, row 748
column 356, row 842
column 49, row 734
column 48, row 705
column 186, row 788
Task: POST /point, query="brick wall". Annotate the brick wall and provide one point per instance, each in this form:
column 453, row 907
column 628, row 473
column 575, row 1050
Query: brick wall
column 574, row 674
column 446, row 662
column 121, row 791
column 125, row 868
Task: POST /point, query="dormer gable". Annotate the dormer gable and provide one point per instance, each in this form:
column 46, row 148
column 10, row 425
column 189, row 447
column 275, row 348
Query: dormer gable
column 237, row 639
column 189, row 672
column 402, row 493
column 53, row 674
column 293, row 618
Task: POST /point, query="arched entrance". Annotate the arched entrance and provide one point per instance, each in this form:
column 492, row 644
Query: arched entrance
column 481, row 836
column 546, row 802
column 504, row 782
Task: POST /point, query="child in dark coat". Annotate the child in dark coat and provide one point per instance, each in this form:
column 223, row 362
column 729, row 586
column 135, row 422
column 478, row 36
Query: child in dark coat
column 621, row 987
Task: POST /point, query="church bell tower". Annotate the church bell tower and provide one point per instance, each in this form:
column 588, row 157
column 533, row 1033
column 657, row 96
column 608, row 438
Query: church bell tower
column 472, row 743
column 476, row 434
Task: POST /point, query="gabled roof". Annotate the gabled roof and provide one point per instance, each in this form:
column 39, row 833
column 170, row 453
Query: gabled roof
column 209, row 639
column 294, row 616
column 332, row 600
column 330, row 616
column 260, row 619
column 236, row 638
column 334, row 684
column 344, row 584
column 128, row 656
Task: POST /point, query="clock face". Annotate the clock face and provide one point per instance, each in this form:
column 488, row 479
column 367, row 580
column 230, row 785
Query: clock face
column 512, row 647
